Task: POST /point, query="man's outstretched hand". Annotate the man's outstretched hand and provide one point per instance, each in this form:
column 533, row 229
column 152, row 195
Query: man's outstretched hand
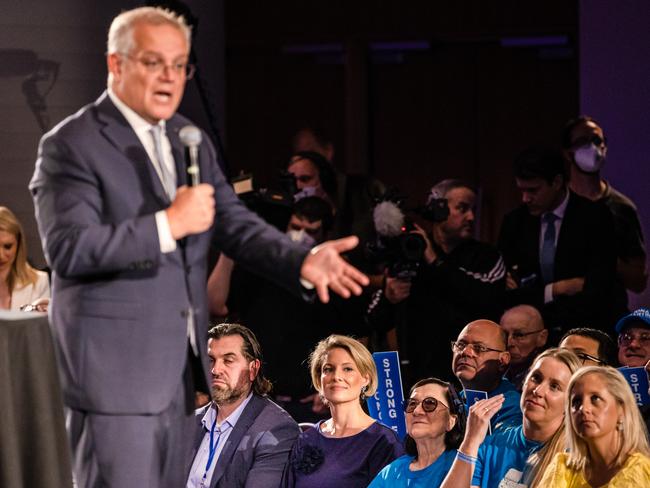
column 325, row 268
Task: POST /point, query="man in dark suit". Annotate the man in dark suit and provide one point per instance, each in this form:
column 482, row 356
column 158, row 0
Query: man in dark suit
column 242, row 438
column 127, row 242
column 558, row 247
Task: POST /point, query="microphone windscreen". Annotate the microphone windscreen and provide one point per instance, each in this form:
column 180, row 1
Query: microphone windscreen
column 190, row 136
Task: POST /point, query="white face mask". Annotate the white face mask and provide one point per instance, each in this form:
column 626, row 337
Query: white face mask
column 301, row 237
column 589, row 158
column 308, row 191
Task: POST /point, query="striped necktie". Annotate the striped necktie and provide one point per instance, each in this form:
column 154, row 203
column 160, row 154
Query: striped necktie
column 168, row 179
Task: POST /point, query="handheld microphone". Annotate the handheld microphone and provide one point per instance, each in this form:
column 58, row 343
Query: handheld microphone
column 191, row 137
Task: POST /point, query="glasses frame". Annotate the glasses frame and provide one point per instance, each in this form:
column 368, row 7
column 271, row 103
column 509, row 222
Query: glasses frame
column 521, row 335
column 478, row 349
column 408, row 402
column 159, row 66
column 583, row 356
column 625, row 338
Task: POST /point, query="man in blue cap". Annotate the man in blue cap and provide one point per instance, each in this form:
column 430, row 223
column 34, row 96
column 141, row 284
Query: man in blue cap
column 634, row 338
column 634, row 345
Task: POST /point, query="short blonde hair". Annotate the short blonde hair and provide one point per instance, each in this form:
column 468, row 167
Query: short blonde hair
column 120, row 34
column 21, row 273
column 359, row 353
column 633, row 436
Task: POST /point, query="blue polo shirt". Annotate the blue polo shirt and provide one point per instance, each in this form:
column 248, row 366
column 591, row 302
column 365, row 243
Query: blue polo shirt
column 502, row 457
column 509, row 415
column 398, row 474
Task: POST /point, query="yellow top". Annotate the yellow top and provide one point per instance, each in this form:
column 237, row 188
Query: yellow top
column 635, row 473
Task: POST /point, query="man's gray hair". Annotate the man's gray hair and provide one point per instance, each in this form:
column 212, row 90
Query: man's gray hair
column 120, row 34
column 440, row 190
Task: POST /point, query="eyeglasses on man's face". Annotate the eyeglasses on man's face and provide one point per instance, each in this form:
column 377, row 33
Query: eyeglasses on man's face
column 156, row 65
column 626, row 339
column 460, row 346
column 518, row 336
column 584, row 357
column 429, row 404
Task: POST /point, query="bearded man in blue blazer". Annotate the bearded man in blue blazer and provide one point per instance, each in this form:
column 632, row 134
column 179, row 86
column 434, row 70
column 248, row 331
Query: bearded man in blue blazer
column 241, row 438
column 127, row 241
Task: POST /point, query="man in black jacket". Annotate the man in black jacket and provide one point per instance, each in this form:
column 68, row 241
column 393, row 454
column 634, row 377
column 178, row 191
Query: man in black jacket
column 558, row 247
column 459, row 280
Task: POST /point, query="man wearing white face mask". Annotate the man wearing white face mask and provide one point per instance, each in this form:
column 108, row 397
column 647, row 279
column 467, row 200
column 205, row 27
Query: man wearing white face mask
column 585, row 146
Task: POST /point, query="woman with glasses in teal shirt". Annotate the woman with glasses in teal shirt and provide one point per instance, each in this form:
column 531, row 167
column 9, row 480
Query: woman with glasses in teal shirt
column 435, row 422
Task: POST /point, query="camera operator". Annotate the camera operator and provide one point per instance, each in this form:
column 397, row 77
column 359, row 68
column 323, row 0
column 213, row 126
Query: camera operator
column 458, row 280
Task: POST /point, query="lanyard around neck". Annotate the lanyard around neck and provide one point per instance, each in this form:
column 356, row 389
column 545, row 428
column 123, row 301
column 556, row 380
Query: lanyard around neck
column 213, row 448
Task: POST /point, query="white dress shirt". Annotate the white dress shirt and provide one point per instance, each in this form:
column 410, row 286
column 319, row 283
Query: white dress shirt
column 142, row 129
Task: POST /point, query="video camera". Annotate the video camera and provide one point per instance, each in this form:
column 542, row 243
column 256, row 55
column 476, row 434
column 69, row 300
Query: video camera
column 274, row 205
column 396, row 243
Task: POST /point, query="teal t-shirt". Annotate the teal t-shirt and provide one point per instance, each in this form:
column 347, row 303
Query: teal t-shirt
column 397, row 474
column 502, row 457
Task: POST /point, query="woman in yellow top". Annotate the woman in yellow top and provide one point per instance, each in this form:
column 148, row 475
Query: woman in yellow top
column 607, row 440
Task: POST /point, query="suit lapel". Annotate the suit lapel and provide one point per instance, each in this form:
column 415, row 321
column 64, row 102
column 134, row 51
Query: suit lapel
column 199, row 433
column 118, row 131
column 566, row 234
column 533, row 227
column 248, row 416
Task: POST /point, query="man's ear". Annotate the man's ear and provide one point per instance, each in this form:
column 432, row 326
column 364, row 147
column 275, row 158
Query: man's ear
column 253, row 369
column 542, row 338
column 558, row 182
column 114, row 65
column 504, row 360
column 329, row 151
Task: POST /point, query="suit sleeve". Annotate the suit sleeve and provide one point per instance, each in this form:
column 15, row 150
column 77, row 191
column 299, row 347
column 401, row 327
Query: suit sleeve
column 77, row 239
column 532, row 294
column 271, row 455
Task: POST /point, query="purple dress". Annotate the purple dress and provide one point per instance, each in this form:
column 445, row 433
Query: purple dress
column 317, row 461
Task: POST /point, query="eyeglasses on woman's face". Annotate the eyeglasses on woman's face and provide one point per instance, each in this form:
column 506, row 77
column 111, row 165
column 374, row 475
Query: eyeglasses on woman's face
column 429, row 404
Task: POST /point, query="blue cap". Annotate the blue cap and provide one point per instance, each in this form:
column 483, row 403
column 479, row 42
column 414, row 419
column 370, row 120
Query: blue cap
column 639, row 315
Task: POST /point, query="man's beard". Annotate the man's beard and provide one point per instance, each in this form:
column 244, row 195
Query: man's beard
column 226, row 395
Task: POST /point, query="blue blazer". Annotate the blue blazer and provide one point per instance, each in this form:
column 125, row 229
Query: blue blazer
column 256, row 450
column 119, row 308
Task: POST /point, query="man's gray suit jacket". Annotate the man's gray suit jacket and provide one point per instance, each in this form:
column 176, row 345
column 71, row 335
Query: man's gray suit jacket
column 120, row 306
column 257, row 449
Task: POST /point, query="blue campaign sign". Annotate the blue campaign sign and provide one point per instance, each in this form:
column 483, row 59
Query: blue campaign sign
column 637, row 378
column 386, row 405
column 473, row 396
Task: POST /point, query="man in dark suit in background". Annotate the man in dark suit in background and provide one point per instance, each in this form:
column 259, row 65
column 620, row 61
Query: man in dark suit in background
column 558, row 247
column 242, row 438
column 127, row 242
